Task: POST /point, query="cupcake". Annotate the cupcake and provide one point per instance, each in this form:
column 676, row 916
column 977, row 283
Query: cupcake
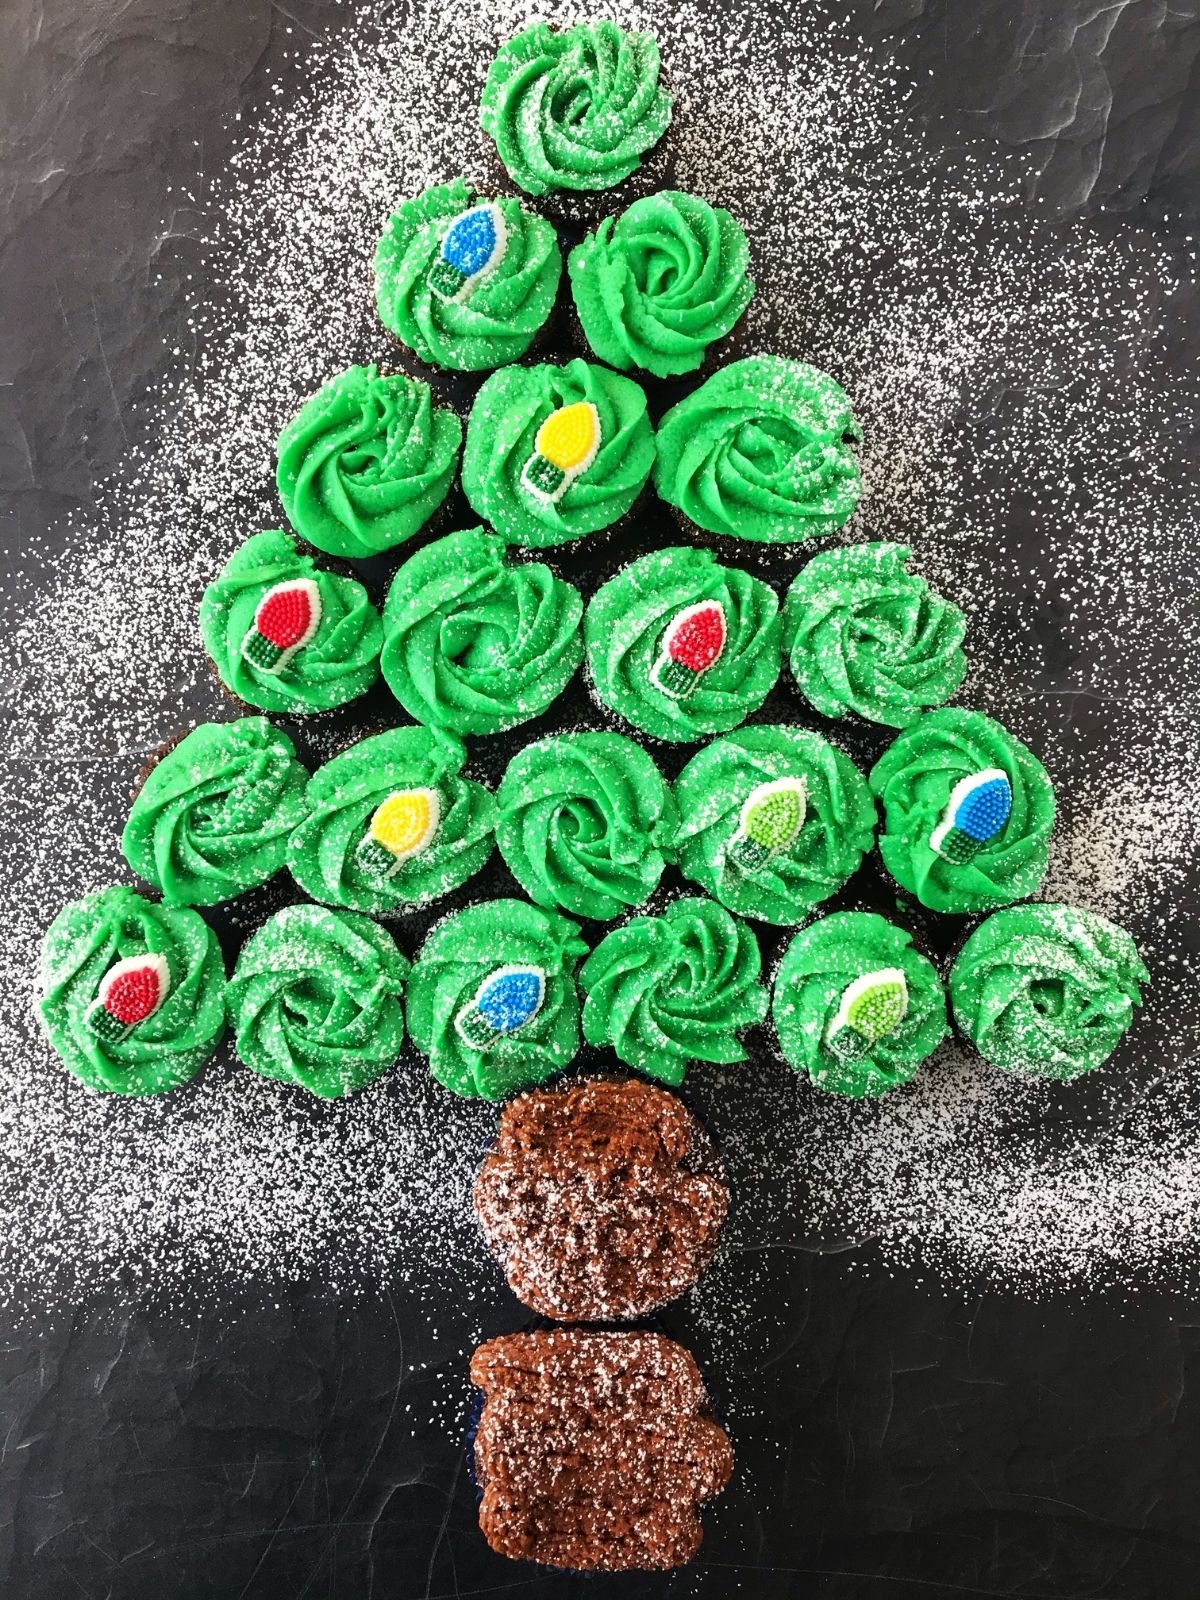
column 466, row 281
column 1046, row 991
column 595, row 1450
column 367, row 462
column 555, row 452
column 582, row 821
column 681, row 646
column 391, row 823
column 474, row 643
column 761, row 451
column 864, row 634
column 212, row 818
column 132, row 994
column 286, row 636
column 773, row 820
column 602, row 1201
column 657, row 288
column 665, row 991
column 967, row 812
column 315, row 1000
column 492, row 1000
column 856, row 1007
column 573, row 113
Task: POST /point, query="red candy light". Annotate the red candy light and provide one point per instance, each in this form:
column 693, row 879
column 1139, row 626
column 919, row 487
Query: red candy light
column 130, row 991
column 285, row 620
column 692, row 643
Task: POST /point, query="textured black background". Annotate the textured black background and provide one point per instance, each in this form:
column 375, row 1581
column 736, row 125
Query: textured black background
column 905, row 1444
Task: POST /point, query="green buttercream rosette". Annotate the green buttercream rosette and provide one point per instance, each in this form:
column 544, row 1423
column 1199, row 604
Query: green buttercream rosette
column 83, row 945
column 666, row 991
column 493, row 961
column 366, row 462
column 465, row 322
column 864, row 634
column 315, row 1000
column 576, row 109
column 914, row 781
column 337, row 664
column 213, row 817
column 636, row 620
column 583, row 818
column 772, row 852
column 406, row 789
column 856, row 1008
column 474, row 643
column 657, row 285
column 1046, row 991
column 762, row 450
column 502, row 461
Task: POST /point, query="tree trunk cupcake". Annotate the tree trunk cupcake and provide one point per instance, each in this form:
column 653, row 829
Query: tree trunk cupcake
column 466, row 281
column 681, row 646
column 367, row 462
column 285, row 635
column 856, row 1007
column 474, row 643
column 391, row 823
column 772, row 820
column 556, row 452
column 762, row 450
column 213, row 816
column 967, row 812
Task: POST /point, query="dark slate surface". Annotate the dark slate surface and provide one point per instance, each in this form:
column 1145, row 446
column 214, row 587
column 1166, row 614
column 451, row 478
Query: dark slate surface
column 906, row 1444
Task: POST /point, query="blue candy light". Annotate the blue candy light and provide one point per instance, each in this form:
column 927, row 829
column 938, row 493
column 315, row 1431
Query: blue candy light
column 978, row 808
column 506, row 1000
column 472, row 246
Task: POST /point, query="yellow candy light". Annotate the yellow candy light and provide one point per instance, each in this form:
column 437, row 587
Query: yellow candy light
column 401, row 827
column 565, row 445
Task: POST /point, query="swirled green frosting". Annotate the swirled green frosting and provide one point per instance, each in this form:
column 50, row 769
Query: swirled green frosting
column 366, row 462
column 474, row 643
column 315, row 1000
column 657, row 285
column 837, row 830
column 582, row 821
column 501, row 311
column 330, row 854
column 820, row 963
column 502, row 431
column 213, row 817
column 1046, row 991
column 864, row 634
column 169, row 1047
column 464, row 952
column 577, row 109
column 665, row 991
column 761, row 450
column 339, row 663
column 913, row 780
column 624, row 630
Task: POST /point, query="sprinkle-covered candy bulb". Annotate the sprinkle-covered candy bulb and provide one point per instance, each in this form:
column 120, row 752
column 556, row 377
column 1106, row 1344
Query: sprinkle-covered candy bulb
column 285, row 619
column 872, row 1007
column 473, row 245
column 130, row 991
column 977, row 810
column 400, row 827
column 564, row 447
column 771, row 817
column 506, row 1000
column 692, row 643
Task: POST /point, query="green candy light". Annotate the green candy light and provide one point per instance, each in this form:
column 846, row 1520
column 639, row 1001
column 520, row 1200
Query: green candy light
column 771, row 817
column 871, row 1007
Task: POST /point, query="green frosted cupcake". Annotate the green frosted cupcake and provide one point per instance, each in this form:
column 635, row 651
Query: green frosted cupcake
column 492, row 999
column 772, row 820
column 315, row 1000
column 474, row 643
column 1046, row 991
column 132, row 994
column 583, row 818
column 661, row 283
column 666, row 991
column 967, row 812
column 466, row 281
column 856, row 1007
column 763, row 451
column 391, row 823
column 681, row 646
column 213, row 817
column 555, row 452
column 575, row 110
column 285, row 636
column 366, row 462
column 864, row 634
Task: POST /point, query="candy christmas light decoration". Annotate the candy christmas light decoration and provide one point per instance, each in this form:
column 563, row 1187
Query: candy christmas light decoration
column 473, row 245
column 772, row 815
column 400, row 827
column 565, row 446
column 871, row 1008
column 285, row 619
column 692, row 644
column 978, row 808
column 506, row 1000
column 130, row 991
